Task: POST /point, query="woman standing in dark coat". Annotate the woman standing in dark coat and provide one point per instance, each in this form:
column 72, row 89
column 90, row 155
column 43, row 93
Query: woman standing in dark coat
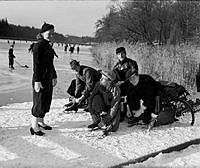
column 44, row 79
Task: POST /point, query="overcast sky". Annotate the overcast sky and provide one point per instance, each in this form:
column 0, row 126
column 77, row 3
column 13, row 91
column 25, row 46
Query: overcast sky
column 69, row 17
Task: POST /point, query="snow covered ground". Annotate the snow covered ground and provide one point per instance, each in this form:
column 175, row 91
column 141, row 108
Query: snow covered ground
column 18, row 147
column 70, row 143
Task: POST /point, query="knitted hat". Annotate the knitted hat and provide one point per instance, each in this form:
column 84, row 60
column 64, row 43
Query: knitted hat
column 109, row 74
column 120, row 49
column 74, row 63
column 46, row 27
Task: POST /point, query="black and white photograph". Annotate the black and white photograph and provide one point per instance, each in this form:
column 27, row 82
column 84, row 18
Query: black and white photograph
column 99, row 83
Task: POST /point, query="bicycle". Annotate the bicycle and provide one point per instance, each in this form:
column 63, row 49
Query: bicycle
column 184, row 112
column 179, row 102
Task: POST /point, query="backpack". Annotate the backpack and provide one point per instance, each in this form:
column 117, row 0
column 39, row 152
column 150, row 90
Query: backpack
column 172, row 90
column 165, row 116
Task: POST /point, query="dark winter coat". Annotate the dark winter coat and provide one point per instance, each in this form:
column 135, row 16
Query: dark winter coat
column 110, row 96
column 10, row 53
column 124, row 68
column 89, row 77
column 43, row 68
column 147, row 89
column 44, row 72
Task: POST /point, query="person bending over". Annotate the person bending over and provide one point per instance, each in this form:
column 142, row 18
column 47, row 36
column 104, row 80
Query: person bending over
column 141, row 97
column 81, row 87
column 104, row 103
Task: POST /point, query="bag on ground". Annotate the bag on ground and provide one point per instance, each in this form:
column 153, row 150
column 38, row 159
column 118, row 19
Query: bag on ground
column 165, row 116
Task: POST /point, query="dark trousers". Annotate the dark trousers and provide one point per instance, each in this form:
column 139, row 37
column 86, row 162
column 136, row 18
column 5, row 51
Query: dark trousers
column 133, row 100
column 72, row 90
column 42, row 100
column 123, row 89
column 98, row 106
column 198, row 81
column 11, row 62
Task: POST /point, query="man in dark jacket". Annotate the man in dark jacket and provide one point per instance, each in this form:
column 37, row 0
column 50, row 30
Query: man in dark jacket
column 141, row 97
column 124, row 67
column 82, row 86
column 104, row 103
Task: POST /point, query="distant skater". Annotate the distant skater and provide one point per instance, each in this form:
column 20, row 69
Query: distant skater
column 44, row 79
column 11, row 57
column 71, row 49
column 65, row 48
column 78, row 49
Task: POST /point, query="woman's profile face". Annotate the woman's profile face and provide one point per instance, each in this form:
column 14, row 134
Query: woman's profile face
column 48, row 34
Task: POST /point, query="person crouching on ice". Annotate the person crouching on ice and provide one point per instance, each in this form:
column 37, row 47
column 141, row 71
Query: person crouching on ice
column 104, row 103
column 141, row 97
column 81, row 87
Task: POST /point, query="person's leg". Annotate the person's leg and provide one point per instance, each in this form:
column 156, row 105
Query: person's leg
column 133, row 101
column 146, row 116
column 123, row 104
column 35, row 128
column 34, row 123
column 97, row 107
column 115, row 123
column 198, row 81
column 12, row 62
column 41, row 121
column 37, row 112
column 72, row 88
column 71, row 91
column 46, row 99
column 80, row 86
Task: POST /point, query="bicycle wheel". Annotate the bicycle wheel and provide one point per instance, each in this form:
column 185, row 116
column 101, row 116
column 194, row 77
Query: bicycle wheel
column 184, row 111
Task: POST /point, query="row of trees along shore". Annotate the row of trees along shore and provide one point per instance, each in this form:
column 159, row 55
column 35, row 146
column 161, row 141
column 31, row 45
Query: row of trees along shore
column 160, row 21
column 17, row 32
column 161, row 35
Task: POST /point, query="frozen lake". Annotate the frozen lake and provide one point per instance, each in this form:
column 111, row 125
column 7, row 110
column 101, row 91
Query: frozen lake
column 15, row 86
